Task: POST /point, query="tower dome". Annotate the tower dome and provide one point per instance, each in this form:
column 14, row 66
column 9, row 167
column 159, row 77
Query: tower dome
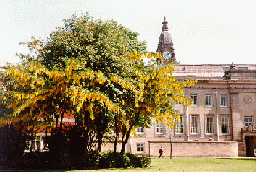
column 165, row 45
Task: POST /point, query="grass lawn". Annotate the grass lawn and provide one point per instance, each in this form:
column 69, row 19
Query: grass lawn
column 196, row 164
column 203, row 164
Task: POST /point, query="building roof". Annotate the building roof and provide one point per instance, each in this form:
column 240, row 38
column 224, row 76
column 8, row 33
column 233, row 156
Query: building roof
column 208, row 70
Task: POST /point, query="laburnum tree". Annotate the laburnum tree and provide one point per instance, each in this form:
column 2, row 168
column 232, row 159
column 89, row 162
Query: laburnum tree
column 93, row 70
column 156, row 91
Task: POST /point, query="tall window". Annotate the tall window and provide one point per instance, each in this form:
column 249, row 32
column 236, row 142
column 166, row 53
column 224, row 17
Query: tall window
column 209, row 125
column 140, row 147
column 194, row 124
column 194, row 98
column 179, row 126
column 223, row 101
column 247, row 120
column 208, row 100
column 224, row 122
column 160, row 128
column 140, row 130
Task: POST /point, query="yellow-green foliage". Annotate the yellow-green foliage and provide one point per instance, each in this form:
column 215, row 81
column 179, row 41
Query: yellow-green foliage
column 92, row 66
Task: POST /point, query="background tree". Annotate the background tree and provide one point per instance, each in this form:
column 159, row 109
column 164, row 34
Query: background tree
column 3, row 104
column 93, row 70
column 77, row 70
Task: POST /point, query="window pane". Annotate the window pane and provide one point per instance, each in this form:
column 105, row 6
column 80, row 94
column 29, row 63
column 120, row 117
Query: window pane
column 224, row 124
column 224, row 129
column 208, row 100
column 140, row 147
column 179, row 125
column 209, row 124
column 160, row 128
column 140, row 130
column 247, row 120
column 223, row 101
column 194, row 98
column 194, row 124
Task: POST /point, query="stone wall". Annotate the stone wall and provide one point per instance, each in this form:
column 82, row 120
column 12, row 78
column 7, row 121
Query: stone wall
column 183, row 149
column 195, row 149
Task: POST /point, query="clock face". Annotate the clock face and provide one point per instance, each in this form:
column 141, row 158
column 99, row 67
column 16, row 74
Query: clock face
column 167, row 55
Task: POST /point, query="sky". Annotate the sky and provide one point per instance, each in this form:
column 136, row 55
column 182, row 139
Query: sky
column 203, row 32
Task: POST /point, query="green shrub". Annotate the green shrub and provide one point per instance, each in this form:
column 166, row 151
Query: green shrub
column 114, row 160
column 91, row 159
column 136, row 161
column 96, row 159
column 144, row 161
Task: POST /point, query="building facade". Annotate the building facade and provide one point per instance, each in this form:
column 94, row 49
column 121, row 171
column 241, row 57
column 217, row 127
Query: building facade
column 223, row 112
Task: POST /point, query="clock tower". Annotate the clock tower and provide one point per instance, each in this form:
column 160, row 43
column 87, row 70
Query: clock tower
column 165, row 45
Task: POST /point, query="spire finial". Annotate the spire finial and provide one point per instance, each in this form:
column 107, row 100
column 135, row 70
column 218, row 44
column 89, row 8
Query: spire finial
column 165, row 27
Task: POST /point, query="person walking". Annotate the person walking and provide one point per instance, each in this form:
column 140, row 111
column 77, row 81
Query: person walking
column 161, row 152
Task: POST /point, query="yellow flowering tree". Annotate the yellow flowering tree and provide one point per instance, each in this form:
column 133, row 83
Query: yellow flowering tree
column 93, row 70
column 75, row 71
column 155, row 91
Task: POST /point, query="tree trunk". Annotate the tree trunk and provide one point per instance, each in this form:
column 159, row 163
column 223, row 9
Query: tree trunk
column 31, row 139
column 115, row 144
column 102, row 124
column 99, row 126
column 127, row 136
column 116, row 130
column 57, row 120
column 123, row 146
column 61, row 119
column 123, row 140
column 86, row 132
column 99, row 141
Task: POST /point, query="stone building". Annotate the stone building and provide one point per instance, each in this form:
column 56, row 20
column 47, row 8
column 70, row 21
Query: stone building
column 221, row 118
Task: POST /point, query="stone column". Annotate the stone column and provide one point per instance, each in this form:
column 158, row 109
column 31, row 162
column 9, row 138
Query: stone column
column 218, row 128
column 186, row 126
column 236, row 122
column 217, row 117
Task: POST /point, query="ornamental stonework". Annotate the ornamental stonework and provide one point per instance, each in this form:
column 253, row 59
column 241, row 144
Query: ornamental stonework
column 247, row 100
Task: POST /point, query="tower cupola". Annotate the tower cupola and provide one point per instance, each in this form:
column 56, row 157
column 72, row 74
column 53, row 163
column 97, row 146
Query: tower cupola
column 165, row 45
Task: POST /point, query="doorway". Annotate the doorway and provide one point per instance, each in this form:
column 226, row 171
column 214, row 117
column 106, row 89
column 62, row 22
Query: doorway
column 250, row 143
